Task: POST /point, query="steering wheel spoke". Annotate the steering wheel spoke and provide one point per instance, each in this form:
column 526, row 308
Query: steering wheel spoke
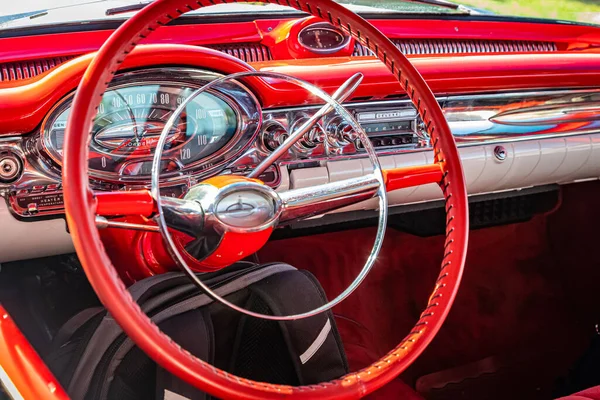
column 186, row 216
column 315, row 200
column 340, row 95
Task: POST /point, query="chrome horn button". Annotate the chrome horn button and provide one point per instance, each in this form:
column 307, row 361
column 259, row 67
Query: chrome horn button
column 242, row 207
column 247, row 207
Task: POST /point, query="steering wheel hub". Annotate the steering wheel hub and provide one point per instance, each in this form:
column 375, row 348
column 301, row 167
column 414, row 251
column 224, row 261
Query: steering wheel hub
column 241, row 205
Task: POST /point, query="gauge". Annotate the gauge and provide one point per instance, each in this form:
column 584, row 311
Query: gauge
column 323, row 38
column 131, row 118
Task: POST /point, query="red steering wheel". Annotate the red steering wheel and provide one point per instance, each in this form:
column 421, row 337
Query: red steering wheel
column 80, row 211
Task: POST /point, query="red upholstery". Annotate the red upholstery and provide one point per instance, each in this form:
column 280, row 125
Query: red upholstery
column 588, row 394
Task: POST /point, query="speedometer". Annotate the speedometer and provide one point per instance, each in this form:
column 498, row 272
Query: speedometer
column 132, row 116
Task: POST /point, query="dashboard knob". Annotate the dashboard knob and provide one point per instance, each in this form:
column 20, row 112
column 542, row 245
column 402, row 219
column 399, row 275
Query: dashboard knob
column 346, row 132
column 273, row 134
column 10, row 167
column 340, row 132
column 312, row 138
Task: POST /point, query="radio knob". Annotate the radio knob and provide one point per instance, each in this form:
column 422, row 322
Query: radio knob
column 273, row 134
column 346, row 132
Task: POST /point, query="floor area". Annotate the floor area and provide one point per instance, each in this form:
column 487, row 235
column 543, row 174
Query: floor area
column 526, row 310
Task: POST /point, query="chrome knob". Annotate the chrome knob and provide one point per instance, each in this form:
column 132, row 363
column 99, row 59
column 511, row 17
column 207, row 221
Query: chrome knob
column 346, row 132
column 273, row 134
column 10, row 167
column 422, row 136
column 312, row 138
column 340, row 132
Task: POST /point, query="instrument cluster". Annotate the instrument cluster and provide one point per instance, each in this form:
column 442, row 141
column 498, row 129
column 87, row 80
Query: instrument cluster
column 211, row 129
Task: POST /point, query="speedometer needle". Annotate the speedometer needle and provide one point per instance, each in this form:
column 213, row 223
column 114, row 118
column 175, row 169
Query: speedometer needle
column 340, row 96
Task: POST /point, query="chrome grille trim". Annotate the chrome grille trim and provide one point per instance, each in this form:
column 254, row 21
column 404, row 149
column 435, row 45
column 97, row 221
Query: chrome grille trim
column 16, row 71
column 445, row 46
column 248, row 52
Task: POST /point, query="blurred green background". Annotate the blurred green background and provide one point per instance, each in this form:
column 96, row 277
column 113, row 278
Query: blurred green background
column 570, row 10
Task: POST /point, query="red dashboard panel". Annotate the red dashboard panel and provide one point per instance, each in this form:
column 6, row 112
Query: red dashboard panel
column 567, row 37
column 30, row 102
column 446, row 74
column 31, row 99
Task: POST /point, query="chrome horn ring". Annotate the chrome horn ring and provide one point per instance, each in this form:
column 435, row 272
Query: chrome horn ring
column 377, row 174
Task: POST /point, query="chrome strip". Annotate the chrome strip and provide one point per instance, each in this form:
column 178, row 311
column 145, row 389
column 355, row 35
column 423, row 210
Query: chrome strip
column 441, row 99
column 9, row 386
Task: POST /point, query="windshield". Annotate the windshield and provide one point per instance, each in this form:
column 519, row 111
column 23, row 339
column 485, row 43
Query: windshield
column 14, row 14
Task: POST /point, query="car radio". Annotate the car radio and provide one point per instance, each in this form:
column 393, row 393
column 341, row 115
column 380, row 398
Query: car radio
column 389, row 127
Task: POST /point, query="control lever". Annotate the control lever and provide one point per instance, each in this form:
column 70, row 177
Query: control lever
column 340, row 96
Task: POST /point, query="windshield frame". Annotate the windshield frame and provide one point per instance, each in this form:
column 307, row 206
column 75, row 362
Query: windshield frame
column 104, row 10
column 8, row 30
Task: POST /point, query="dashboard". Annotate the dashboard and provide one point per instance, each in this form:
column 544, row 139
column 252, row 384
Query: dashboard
column 520, row 120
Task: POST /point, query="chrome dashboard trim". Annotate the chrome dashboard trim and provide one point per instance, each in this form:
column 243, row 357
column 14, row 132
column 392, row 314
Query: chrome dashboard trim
column 464, row 134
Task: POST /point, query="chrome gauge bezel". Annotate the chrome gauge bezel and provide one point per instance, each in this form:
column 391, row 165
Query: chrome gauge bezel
column 243, row 102
column 325, row 26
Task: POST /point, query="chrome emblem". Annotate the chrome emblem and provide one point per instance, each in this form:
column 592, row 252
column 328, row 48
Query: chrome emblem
column 240, row 209
column 245, row 209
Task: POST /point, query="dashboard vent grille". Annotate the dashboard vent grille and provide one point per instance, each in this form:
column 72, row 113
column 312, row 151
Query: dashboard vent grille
column 248, row 52
column 442, row 46
column 28, row 69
